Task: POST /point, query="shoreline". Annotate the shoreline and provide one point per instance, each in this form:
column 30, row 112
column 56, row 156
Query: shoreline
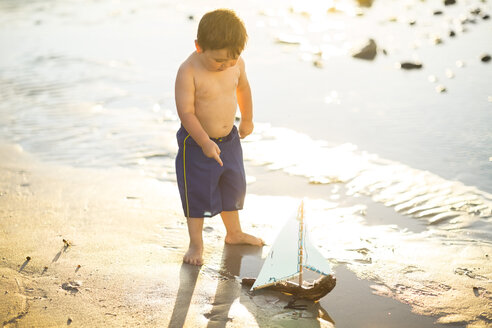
column 121, row 263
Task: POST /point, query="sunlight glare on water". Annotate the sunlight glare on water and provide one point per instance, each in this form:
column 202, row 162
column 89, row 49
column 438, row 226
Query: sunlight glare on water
column 429, row 270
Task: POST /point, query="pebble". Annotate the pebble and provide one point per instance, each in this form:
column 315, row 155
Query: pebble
column 367, row 52
column 476, row 11
column 437, row 12
column 441, row 89
column 408, row 65
column 436, row 40
column 485, row 58
column 449, row 2
column 289, row 39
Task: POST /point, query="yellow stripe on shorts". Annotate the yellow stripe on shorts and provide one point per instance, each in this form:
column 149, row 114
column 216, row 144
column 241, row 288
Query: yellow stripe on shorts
column 184, row 172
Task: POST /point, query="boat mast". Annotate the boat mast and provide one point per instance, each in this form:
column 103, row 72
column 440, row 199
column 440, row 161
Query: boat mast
column 300, row 217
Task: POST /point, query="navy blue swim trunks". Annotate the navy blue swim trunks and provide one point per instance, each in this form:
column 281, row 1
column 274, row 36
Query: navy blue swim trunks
column 205, row 187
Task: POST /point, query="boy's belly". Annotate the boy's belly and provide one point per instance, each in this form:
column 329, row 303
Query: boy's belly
column 216, row 120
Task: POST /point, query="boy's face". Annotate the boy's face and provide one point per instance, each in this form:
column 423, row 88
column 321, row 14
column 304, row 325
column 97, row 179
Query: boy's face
column 217, row 60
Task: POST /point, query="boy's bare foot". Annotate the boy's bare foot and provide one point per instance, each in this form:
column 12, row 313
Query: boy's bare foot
column 194, row 255
column 243, row 238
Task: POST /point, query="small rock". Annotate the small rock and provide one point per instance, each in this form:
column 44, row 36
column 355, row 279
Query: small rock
column 368, row 52
column 452, row 33
column 318, row 63
column 441, row 89
column 436, row 40
column 289, row 39
column 71, row 287
column 485, row 16
column 333, row 10
column 449, row 2
column 365, row 3
column 476, row 11
column 69, row 321
column 437, row 12
column 191, row 17
column 468, row 21
column 409, row 65
column 485, row 58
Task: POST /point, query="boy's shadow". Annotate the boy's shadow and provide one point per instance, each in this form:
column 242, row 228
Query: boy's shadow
column 188, row 275
column 228, row 288
column 237, row 261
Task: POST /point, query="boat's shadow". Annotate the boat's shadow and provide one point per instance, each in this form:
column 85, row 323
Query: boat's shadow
column 267, row 307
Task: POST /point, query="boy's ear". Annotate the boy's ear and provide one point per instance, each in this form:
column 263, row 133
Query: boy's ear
column 197, row 46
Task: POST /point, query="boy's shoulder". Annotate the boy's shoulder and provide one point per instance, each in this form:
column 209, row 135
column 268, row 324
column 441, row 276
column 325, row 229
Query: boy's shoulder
column 189, row 63
column 187, row 68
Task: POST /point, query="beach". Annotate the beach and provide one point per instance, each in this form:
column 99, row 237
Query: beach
column 393, row 164
column 105, row 249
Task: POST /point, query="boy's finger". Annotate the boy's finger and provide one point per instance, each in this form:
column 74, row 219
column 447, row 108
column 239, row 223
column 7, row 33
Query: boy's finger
column 217, row 158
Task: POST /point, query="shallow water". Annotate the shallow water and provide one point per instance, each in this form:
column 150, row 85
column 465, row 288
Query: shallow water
column 91, row 84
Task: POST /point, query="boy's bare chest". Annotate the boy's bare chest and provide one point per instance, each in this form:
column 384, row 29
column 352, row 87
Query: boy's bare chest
column 211, row 85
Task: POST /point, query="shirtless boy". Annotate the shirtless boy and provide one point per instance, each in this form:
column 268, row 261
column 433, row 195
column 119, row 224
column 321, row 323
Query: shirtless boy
column 210, row 84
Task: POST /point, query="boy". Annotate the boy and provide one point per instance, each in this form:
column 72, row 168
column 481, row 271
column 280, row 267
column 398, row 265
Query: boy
column 210, row 84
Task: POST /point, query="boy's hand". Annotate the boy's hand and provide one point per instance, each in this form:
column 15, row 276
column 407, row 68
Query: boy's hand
column 245, row 128
column 212, row 150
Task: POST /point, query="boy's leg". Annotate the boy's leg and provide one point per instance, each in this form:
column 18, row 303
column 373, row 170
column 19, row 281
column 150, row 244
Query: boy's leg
column 235, row 234
column 195, row 249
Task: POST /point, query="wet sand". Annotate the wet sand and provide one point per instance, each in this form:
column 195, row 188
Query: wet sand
column 105, row 248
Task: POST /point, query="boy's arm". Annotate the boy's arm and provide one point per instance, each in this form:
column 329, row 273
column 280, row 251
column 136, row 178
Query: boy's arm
column 244, row 101
column 185, row 104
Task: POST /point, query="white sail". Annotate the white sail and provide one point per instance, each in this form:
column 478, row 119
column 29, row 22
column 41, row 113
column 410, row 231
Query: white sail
column 312, row 259
column 283, row 260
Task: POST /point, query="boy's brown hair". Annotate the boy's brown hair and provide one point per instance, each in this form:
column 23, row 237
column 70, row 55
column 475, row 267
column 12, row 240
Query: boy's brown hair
column 222, row 29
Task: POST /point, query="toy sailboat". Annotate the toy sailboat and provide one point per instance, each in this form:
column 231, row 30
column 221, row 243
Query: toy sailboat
column 292, row 252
